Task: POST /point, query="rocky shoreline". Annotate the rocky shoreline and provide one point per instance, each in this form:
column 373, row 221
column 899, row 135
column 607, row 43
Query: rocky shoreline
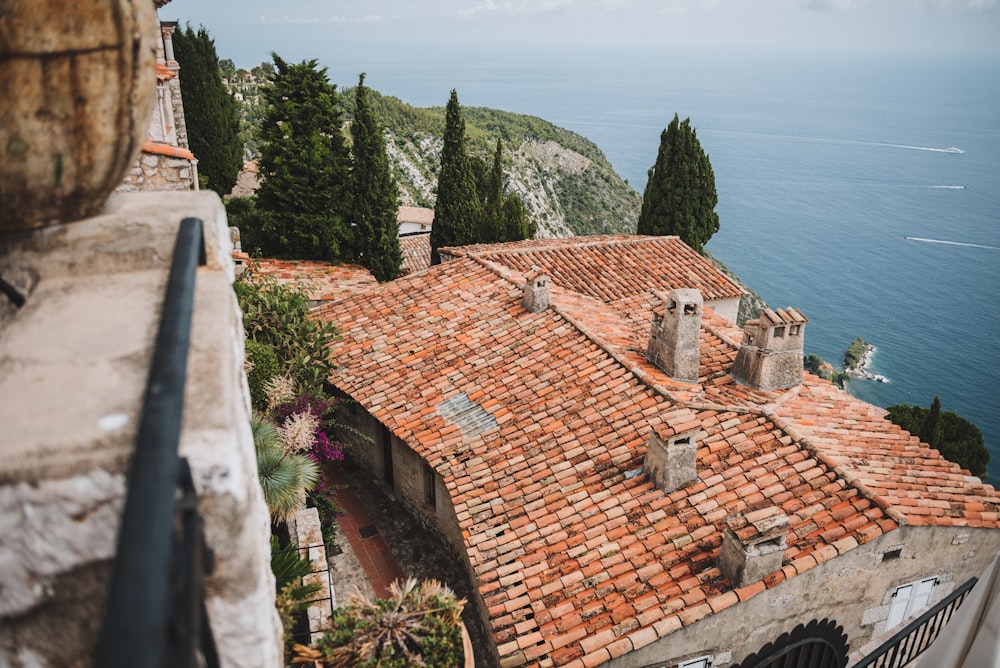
column 861, row 369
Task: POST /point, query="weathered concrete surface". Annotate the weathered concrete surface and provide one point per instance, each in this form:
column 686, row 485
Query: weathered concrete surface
column 73, row 366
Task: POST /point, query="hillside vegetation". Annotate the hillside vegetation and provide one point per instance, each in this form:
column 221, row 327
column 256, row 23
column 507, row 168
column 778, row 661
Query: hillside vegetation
column 563, row 179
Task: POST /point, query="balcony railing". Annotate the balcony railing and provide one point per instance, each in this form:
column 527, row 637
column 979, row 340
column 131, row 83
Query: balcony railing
column 155, row 613
column 916, row 637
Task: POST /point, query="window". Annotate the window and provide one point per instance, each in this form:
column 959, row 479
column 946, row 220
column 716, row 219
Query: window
column 779, row 332
column 430, row 491
column 700, row 662
column 908, row 600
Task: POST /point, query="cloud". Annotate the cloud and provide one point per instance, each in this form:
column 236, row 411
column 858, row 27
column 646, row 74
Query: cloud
column 312, row 20
column 516, row 8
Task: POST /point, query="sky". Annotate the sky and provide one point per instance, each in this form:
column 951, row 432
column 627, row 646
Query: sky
column 249, row 30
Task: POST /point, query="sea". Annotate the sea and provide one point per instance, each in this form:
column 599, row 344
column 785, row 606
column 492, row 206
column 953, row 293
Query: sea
column 861, row 188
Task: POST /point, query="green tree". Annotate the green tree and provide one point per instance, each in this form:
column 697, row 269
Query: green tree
column 680, row 194
column 458, row 212
column 958, row 440
column 211, row 114
column 376, row 231
column 504, row 216
column 304, row 198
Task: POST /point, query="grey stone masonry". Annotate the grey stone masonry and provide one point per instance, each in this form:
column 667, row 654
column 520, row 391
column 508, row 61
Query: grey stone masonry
column 670, row 462
column 770, row 357
column 674, row 338
column 73, row 366
column 753, row 545
column 536, row 292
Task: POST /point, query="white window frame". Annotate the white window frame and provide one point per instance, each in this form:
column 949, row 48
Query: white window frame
column 908, row 600
column 700, row 662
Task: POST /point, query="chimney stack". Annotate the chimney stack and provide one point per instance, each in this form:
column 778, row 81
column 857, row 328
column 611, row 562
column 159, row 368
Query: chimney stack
column 536, row 291
column 674, row 338
column 670, row 459
column 753, row 545
column 770, row 357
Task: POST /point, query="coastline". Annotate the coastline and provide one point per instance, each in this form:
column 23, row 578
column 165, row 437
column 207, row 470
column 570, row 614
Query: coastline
column 861, row 370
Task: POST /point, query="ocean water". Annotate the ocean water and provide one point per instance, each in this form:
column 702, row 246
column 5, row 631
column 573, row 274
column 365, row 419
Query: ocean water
column 862, row 189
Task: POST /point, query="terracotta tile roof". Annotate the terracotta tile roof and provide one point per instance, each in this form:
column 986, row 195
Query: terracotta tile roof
column 538, row 424
column 160, row 148
column 415, row 214
column 323, row 281
column 416, row 252
column 611, row 266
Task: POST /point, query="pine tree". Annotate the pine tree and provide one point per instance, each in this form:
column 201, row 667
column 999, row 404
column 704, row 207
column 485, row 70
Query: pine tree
column 304, row 199
column 376, row 231
column 458, row 212
column 211, row 114
column 680, row 195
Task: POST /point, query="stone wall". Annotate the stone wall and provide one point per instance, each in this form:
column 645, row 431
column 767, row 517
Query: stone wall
column 853, row 589
column 152, row 171
column 73, row 367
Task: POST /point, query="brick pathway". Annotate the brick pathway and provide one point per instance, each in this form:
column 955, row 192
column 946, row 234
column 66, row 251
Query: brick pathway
column 370, row 548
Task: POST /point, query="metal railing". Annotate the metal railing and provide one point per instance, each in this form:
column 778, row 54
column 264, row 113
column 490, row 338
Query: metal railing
column 155, row 611
column 916, row 637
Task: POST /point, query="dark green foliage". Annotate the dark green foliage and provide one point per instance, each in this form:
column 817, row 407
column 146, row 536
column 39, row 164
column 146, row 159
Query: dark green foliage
column 227, row 67
column 504, row 217
column 458, row 212
column 958, row 440
column 305, row 194
column 855, row 354
column 264, row 365
column 376, row 230
column 211, row 114
column 815, row 364
column 930, row 429
column 680, row 194
column 278, row 315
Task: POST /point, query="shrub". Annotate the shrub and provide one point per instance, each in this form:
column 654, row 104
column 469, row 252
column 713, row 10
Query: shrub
column 420, row 624
column 262, row 365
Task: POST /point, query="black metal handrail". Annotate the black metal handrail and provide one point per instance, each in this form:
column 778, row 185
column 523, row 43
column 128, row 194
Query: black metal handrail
column 916, row 637
column 155, row 605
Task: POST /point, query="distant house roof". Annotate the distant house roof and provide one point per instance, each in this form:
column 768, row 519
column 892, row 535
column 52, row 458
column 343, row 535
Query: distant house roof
column 538, row 423
column 609, row 267
column 163, row 148
column 322, row 281
column 416, row 250
column 415, row 214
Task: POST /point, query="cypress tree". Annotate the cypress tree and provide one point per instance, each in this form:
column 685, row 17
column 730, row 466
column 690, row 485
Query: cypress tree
column 211, row 114
column 504, row 217
column 376, row 231
column 930, row 429
column 458, row 212
column 680, row 195
column 305, row 194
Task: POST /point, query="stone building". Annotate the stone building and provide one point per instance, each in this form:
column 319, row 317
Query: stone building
column 631, row 479
column 166, row 161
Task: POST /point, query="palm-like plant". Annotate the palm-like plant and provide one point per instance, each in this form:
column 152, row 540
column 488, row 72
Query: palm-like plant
column 418, row 625
column 285, row 477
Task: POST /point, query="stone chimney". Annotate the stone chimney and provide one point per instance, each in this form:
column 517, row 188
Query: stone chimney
column 670, row 459
column 674, row 338
column 536, row 291
column 753, row 545
column 770, row 357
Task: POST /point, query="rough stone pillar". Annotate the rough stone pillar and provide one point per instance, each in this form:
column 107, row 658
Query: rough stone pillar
column 753, row 545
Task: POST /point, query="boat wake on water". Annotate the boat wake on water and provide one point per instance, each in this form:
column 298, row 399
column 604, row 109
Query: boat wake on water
column 950, row 149
column 952, row 243
column 946, row 187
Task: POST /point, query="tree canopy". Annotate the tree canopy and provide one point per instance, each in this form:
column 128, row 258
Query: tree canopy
column 680, row 195
column 458, row 212
column 305, row 195
column 376, row 229
column 210, row 113
column 957, row 439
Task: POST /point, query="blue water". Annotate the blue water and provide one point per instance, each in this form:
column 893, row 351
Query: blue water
column 833, row 179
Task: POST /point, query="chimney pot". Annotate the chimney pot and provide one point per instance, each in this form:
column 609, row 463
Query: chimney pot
column 536, row 291
column 770, row 357
column 671, row 461
column 753, row 545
